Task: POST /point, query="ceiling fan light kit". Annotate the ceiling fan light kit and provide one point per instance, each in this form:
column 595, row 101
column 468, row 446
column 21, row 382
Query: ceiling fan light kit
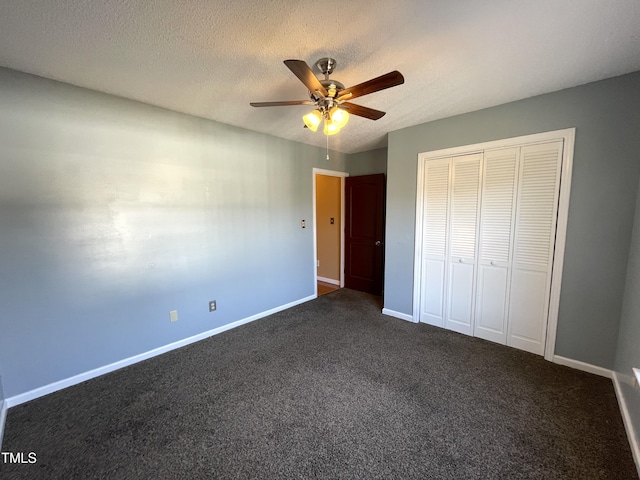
column 330, row 96
column 313, row 119
column 330, row 128
column 339, row 116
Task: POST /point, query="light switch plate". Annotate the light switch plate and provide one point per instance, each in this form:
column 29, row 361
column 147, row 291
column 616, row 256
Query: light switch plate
column 173, row 315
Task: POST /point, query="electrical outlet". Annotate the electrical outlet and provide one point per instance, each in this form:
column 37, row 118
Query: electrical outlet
column 212, row 306
column 173, row 315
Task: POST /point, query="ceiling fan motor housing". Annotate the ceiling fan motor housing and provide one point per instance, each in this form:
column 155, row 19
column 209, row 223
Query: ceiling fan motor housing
column 332, row 87
column 326, row 66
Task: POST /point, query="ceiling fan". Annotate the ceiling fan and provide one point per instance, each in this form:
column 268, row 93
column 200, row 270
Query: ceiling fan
column 331, row 98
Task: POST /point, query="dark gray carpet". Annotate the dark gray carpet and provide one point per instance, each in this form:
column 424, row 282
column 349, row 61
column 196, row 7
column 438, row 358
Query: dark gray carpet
column 329, row 389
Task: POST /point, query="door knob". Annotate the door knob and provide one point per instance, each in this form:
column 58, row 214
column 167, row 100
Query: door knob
column 378, row 243
column 460, row 260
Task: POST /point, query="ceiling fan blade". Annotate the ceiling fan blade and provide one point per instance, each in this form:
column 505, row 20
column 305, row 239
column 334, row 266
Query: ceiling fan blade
column 282, row 104
column 301, row 70
column 387, row 80
column 361, row 111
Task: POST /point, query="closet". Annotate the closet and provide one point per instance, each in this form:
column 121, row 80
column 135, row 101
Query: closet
column 488, row 231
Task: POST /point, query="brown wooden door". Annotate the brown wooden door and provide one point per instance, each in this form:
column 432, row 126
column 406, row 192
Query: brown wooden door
column 364, row 233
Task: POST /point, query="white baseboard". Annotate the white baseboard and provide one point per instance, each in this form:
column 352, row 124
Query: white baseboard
column 329, row 280
column 82, row 377
column 400, row 315
column 3, row 417
column 626, row 419
column 585, row 367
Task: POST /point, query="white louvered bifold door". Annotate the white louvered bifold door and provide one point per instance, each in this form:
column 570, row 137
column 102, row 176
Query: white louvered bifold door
column 434, row 241
column 534, row 240
column 496, row 230
column 463, row 226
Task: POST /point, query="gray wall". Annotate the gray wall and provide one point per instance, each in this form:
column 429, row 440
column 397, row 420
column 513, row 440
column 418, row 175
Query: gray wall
column 603, row 194
column 113, row 213
column 628, row 354
column 365, row 163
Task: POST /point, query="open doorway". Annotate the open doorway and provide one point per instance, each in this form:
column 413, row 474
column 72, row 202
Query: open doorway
column 328, row 227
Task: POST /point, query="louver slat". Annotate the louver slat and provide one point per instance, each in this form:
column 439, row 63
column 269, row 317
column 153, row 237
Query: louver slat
column 435, row 211
column 537, row 206
column 464, row 208
column 497, row 205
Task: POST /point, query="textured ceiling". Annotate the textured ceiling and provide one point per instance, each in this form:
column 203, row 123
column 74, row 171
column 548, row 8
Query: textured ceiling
column 211, row 58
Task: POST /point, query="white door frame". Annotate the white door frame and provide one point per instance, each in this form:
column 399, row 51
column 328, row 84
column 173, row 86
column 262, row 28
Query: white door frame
column 568, row 136
column 342, row 175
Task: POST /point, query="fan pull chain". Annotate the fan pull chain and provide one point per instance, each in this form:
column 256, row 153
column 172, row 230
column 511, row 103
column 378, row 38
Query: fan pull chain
column 327, row 146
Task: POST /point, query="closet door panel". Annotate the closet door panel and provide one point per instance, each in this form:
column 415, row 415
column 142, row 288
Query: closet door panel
column 433, row 292
column 491, row 303
column 534, row 240
column 460, row 297
column 464, row 208
column 495, row 235
column 434, row 241
column 527, row 309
